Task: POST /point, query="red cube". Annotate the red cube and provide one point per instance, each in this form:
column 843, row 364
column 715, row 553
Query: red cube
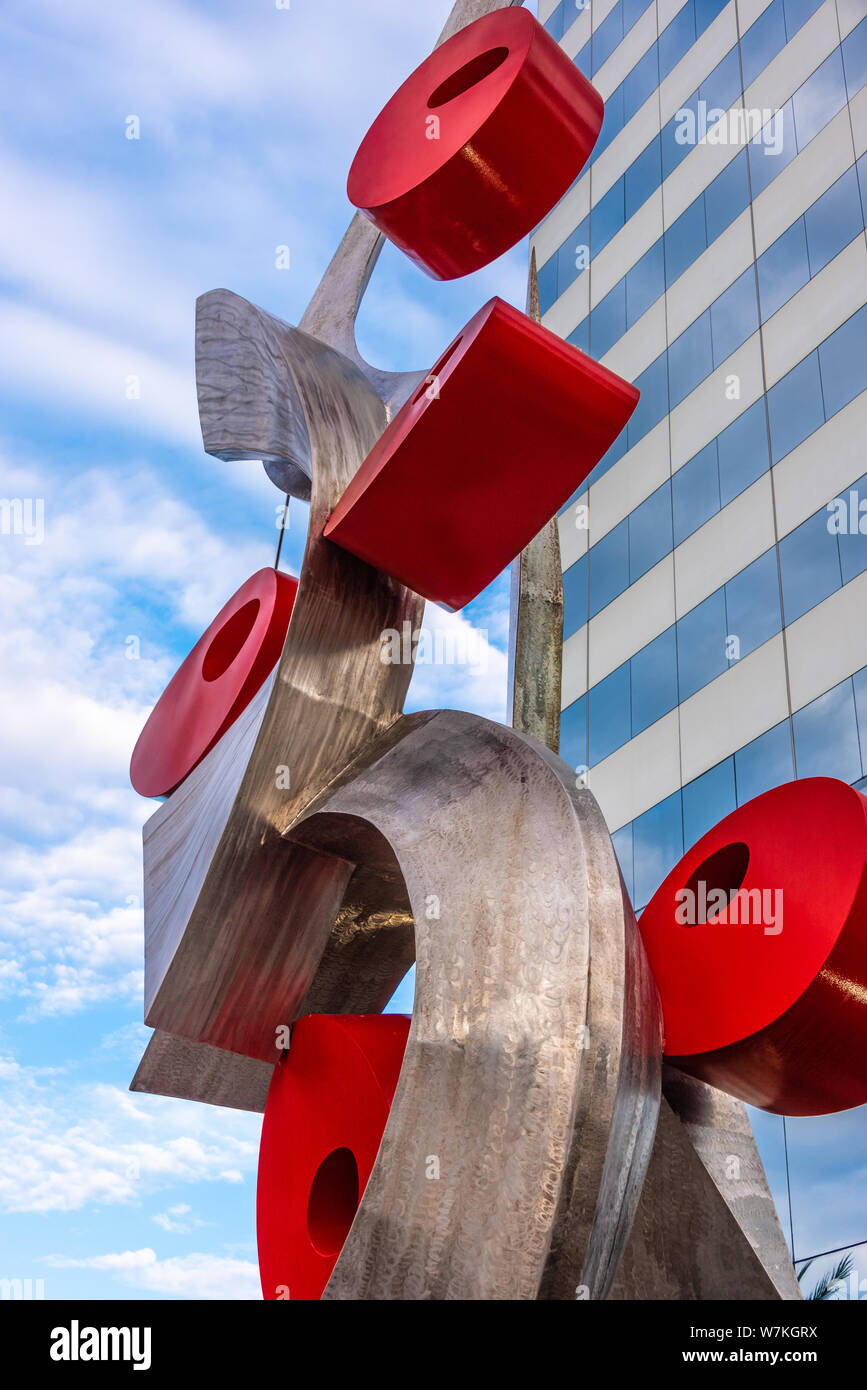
column 503, row 430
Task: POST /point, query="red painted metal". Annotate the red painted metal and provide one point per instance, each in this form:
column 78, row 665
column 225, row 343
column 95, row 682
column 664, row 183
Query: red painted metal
column 326, row 1110
column 218, row 679
column 477, row 145
column 509, row 422
column 766, row 995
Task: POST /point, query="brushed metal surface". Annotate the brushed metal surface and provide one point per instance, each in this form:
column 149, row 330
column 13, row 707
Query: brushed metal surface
column 532, row 1079
column 685, row 1242
column 536, row 616
column 187, row 1070
column 720, row 1131
column 222, row 898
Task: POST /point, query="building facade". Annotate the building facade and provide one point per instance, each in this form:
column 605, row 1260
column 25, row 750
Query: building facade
column 715, row 562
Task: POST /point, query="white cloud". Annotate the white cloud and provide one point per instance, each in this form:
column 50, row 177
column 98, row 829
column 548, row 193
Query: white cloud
column 64, row 1148
column 178, row 1220
column 183, row 1276
column 71, row 924
column 465, row 670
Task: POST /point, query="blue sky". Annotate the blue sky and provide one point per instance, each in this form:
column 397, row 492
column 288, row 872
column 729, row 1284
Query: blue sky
column 249, row 117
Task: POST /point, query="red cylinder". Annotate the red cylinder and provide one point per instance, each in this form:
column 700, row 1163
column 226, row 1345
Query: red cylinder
column 477, row 145
column 758, row 942
column 326, row 1110
column 215, row 683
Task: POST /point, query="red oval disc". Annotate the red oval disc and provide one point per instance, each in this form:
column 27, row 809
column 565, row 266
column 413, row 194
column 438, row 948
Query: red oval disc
column 758, row 943
column 218, row 679
column 477, row 146
column 326, row 1110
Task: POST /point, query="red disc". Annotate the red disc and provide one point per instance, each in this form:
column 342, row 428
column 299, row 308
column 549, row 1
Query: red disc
column 326, row 1110
column 477, row 145
column 758, row 942
column 499, row 435
column 215, row 683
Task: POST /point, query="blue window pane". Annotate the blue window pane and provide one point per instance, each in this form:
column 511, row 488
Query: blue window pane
column 859, row 680
column 734, row 316
column 641, row 82
column 653, row 403
column 843, row 363
column 797, row 14
column 575, row 596
column 554, row 22
column 622, row 842
column 707, row 800
column 609, row 714
column 826, row 736
column 573, row 733
column 547, row 277
column 727, row 196
column 612, row 121
column 654, row 681
column 753, row 603
column 649, row 532
column 743, row 452
column 690, row 359
column 632, row 11
column 607, row 217
column 609, row 567
column 774, row 148
column 695, row 492
column 861, row 166
column 852, row 530
column 685, row 240
column 677, row 139
column 573, row 256
column 645, row 282
column 821, row 97
column 580, row 336
column 783, row 269
column 723, row 85
column 833, row 220
column 810, row 565
column 583, row 61
column 608, row 320
column 675, row 39
column 643, row 177
column 701, row 645
column 657, row 845
column 764, row 763
column 855, row 58
column 607, row 37
column 608, row 460
column 706, row 12
column 763, row 41
column 795, row 407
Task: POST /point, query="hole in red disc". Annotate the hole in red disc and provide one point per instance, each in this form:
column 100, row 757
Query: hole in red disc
column 333, row 1201
column 467, row 76
column 227, row 643
column 724, row 870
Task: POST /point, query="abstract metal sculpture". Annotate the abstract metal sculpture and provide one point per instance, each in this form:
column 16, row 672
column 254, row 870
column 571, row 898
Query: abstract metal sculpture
column 535, row 1146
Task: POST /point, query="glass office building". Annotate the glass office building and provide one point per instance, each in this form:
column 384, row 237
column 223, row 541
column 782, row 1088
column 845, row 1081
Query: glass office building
column 715, row 562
